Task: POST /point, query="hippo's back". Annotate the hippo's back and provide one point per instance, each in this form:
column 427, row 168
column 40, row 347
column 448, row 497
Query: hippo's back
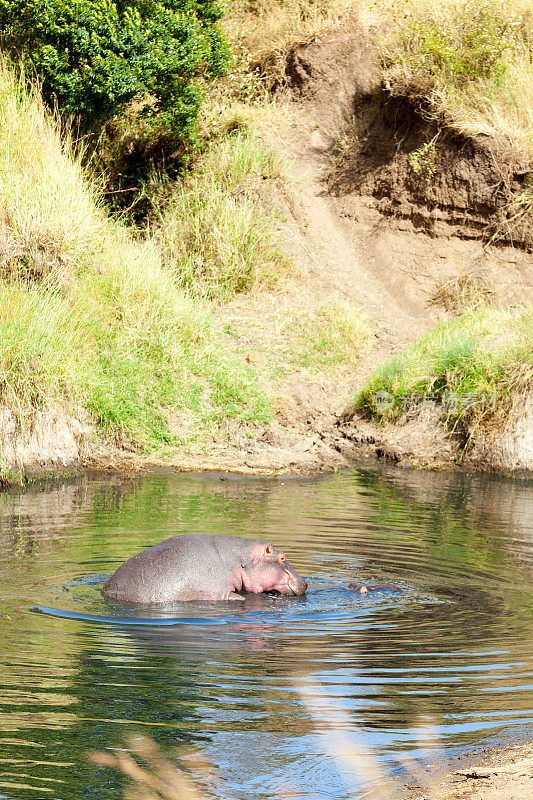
column 153, row 576
column 181, row 568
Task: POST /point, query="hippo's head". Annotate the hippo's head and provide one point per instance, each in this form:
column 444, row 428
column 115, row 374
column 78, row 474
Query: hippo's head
column 269, row 571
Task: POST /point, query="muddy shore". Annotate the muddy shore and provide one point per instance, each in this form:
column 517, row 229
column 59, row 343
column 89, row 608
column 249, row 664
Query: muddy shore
column 498, row 774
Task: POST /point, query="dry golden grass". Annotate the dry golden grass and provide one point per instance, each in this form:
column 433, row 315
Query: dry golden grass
column 471, row 60
column 49, row 216
column 263, row 32
column 497, row 104
column 462, row 292
column 503, row 110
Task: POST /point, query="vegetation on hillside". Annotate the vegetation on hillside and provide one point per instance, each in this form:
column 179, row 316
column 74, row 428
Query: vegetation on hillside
column 93, row 57
column 214, row 233
column 89, row 317
column 471, row 61
column 127, row 77
column 263, row 32
column 318, row 336
column 119, row 322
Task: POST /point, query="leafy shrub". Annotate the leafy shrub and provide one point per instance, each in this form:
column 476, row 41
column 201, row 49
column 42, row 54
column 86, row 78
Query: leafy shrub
column 94, row 56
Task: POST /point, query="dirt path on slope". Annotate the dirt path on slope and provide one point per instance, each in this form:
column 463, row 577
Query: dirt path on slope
column 341, row 257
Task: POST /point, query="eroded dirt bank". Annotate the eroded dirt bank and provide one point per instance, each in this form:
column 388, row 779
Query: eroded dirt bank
column 386, row 211
column 376, row 223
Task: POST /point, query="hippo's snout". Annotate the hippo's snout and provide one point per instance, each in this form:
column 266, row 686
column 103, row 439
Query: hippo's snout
column 297, row 584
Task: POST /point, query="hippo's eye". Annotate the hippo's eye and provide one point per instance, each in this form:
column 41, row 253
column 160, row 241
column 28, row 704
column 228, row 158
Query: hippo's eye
column 281, row 558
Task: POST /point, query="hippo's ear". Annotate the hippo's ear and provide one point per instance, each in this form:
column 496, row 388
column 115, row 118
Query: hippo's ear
column 262, row 550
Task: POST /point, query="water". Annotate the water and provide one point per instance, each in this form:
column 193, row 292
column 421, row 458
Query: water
column 266, row 688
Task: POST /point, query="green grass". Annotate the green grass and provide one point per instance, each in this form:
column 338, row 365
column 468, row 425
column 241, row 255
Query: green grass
column 41, row 342
column 317, row 335
column 215, row 234
column 89, row 317
column 480, row 362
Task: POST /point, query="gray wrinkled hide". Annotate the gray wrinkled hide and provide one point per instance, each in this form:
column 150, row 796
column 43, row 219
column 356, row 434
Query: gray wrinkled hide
column 189, row 567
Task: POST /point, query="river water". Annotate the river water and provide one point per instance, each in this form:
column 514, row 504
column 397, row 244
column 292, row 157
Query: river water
column 269, row 692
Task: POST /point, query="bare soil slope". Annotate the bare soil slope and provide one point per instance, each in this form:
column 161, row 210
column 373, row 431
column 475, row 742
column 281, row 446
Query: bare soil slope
column 443, row 182
column 365, row 227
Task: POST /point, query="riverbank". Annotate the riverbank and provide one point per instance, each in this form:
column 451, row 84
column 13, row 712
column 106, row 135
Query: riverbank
column 498, row 775
column 328, row 226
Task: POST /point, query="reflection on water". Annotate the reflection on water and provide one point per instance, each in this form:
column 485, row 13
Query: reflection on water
column 444, row 662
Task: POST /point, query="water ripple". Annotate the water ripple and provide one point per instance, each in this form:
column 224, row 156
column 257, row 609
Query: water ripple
column 443, row 663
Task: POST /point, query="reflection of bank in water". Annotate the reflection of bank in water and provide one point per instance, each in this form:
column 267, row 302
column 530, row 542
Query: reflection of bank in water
column 186, row 772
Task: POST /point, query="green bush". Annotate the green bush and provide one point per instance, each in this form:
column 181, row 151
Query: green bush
column 94, row 57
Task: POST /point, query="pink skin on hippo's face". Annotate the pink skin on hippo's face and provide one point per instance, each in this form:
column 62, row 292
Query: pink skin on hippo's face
column 271, row 572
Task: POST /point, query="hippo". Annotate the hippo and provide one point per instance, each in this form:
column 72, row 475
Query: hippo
column 203, row 567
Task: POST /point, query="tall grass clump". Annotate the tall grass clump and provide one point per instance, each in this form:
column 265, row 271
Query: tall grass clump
column 481, row 362
column 42, row 339
column 215, row 234
column 470, row 60
column 49, row 218
column 89, row 317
